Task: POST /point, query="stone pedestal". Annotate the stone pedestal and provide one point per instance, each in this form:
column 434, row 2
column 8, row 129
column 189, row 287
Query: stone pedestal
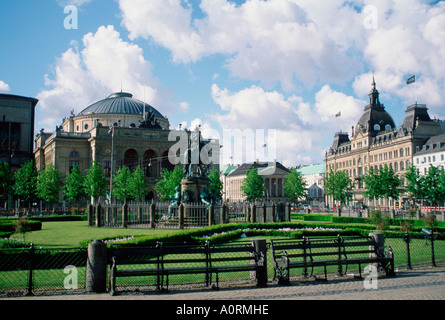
column 191, row 189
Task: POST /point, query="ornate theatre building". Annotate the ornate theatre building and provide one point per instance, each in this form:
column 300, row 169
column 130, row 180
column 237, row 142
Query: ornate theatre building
column 117, row 131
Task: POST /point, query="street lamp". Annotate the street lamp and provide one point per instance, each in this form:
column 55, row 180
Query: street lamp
column 111, row 164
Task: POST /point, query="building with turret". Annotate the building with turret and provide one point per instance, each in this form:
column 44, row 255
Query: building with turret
column 376, row 141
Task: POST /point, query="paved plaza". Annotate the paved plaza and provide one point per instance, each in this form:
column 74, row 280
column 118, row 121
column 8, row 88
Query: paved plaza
column 422, row 283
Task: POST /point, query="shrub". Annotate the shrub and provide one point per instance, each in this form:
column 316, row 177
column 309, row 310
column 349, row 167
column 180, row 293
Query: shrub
column 23, row 226
column 430, row 221
column 381, row 222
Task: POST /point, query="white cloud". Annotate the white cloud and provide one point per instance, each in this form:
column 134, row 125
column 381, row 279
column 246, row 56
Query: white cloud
column 302, row 44
column 4, row 87
column 184, row 107
column 271, row 41
column 409, row 40
column 105, row 64
column 301, row 129
column 167, row 22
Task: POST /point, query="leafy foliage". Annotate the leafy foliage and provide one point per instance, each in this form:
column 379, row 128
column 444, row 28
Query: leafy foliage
column 95, row 182
column 215, row 186
column 122, row 184
column 73, row 187
column 6, row 183
column 170, row 180
column 382, row 183
column 138, row 184
column 48, row 184
column 294, row 185
column 26, row 182
column 338, row 185
column 253, row 185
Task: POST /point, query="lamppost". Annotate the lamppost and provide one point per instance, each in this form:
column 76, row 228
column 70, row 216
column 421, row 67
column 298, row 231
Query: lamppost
column 112, row 160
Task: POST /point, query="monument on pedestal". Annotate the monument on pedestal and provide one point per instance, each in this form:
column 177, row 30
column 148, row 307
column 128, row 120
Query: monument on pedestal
column 195, row 184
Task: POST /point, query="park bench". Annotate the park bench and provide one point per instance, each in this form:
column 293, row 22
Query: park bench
column 165, row 260
column 327, row 251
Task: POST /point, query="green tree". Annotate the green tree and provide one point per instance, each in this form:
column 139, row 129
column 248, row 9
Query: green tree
column 215, row 186
column 433, row 185
column 338, row 185
column 414, row 183
column 48, row 184
column 372, row 185
column 253, row 185
column 294, row 185
column 73, row 187
column 25, row 185
column 138, row 184
column 170, row 180
column 122, row 184
column 95, row 183
column 382, row 183
column 390, row 182
column 6, row 183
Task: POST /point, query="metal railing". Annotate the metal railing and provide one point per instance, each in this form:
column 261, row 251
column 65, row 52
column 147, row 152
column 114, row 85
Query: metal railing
column 37, row 271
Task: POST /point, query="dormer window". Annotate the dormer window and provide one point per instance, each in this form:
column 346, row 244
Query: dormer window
column 376, row 127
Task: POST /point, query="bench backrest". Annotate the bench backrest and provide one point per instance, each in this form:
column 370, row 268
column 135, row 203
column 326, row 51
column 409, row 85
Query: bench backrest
column 164, row 254
column 323, row 248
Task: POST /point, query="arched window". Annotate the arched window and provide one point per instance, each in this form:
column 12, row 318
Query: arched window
column 74, row 154
column 376, row 127
column 150, row 163
column 131, row 159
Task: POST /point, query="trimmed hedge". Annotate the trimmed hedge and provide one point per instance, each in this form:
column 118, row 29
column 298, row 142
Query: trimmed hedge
column 8, row 225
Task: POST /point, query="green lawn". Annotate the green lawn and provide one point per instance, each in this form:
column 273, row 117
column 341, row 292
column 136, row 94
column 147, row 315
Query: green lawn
column 70, row 234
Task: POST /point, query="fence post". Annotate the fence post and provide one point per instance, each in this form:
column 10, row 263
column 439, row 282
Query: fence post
column 125, row 215
column 274, row 211
column 90, row 215
column 223, row 213
column 30, row 269
column 181, row 210
column 140, row 214
column 98, row 216
column 265, row 214
column 96, row 273
column 261, row 273
column 152, row 215
column 253, row 213
column 433, row 259
column 287, row 212
column 407, row 240
column 211, row 214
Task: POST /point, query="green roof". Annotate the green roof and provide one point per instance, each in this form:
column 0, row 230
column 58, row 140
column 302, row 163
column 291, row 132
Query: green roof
column 226, row 170
column 313, row 169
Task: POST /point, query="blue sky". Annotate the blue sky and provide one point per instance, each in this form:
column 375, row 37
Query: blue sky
column 278, row 65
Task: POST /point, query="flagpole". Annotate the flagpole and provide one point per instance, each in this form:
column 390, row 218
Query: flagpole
column 415, row 90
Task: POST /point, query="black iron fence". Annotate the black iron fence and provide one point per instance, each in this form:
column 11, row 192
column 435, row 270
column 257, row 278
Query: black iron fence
column 167, row 215
column 30, row 271
column 37, row 271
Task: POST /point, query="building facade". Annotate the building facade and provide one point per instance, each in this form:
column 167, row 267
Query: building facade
column 272, row 173
column 17, row 115
column 117, row 131
column 314, row 176
column 376, row 141
column 432, row 153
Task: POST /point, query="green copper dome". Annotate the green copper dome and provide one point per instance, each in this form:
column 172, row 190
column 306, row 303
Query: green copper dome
column 120, row 103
